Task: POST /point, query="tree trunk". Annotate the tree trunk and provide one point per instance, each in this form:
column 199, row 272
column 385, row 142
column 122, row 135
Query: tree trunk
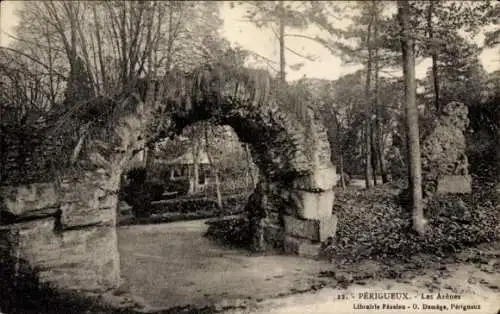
column 102, row 64
column 249, row 171
column 214, row 171
column 435, row 79
column 414, row 165
column 368, row 156
column 3, row 144
column 196, row 174
column 378, row 131
column 378, row 127
column 381, row 161
column 497, row 186
column 170, row 39
column 282, row 74
column 434, row 55
column 342, row 179
column 336, row 149
column 331, row 122
column 78, row 148
column 247, row 177
column 374, row 157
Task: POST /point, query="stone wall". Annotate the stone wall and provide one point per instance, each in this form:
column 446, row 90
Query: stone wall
column 58, row 228
column 61, row 234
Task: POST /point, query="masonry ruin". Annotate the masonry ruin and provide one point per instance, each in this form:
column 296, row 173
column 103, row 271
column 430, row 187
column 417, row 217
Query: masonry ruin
column 445, row 165
column 62, row 229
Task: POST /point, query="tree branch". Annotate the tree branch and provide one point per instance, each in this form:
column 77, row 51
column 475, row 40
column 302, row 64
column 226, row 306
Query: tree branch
column 34, row 60
column 309, row 58
column 316, row 39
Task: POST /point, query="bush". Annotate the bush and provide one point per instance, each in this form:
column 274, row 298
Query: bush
column 230, row 231
column 140, row 192
column 137, row 175
column 235, row 203
column 180, row 186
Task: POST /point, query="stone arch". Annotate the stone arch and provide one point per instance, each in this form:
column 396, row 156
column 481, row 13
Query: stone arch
column 291, row 151
column 65, row 231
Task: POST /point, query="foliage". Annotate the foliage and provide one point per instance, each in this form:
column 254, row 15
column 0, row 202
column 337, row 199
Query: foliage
column 462, row 77
column 71, row 64
column 232, row 231
column 374, row 226
column 493, row 37
column 139, row 192
column 279, row 16
column 481, row 142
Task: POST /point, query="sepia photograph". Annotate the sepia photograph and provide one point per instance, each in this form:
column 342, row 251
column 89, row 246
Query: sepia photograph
column 247, row 157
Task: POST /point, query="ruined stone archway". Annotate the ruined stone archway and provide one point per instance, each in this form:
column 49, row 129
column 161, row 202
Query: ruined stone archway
column 65, row 231
column 291, row 207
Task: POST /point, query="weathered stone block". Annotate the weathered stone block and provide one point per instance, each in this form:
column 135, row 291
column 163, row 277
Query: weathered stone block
column 454, row 184
column 77, row 191
column 322, row 179
column 73, row 215
column 309, row 205
column 301, row 247
column 89, row 261
column 33, row 228
column 98, row 210
column 312, row 229
column 32, row 200
column 84, row 259
column 32, row 241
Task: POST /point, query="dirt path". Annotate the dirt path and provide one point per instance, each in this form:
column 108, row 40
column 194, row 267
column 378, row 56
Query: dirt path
column 172, row 265
column 469, row 284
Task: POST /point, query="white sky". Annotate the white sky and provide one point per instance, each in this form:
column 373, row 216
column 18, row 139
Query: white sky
column 262, row 42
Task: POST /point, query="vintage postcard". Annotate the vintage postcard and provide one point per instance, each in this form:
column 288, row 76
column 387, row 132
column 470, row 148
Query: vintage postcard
column 249, row 157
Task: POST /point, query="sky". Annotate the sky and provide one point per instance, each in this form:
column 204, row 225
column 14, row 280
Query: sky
column 262, row 41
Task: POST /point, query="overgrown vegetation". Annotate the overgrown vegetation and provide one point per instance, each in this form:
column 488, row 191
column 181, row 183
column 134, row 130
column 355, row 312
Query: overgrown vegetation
column 373, row 225
column 230, row 231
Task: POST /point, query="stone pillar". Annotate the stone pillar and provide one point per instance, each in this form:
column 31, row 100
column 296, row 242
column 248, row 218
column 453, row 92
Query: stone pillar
column 88, row 229
column 444, row 158
column 64, row 236
column 295, row 218
column 309, row 220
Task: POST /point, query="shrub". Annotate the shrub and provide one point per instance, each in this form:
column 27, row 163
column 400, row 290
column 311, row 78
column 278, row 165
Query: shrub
column 230, row 231
column 180, row 186
column 139, row 192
